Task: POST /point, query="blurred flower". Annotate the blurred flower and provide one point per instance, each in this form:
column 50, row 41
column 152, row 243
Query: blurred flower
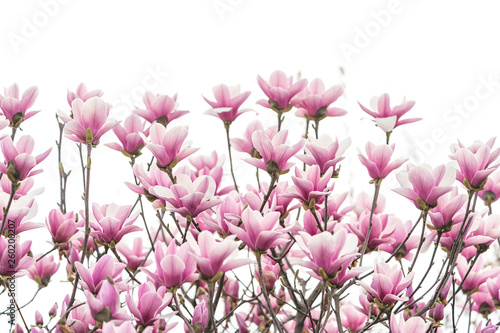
column 82, row 93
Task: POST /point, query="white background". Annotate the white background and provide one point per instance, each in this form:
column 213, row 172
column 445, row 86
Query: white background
column 438, row 53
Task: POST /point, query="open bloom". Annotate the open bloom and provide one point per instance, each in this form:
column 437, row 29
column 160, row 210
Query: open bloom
column 106, row 305
column 449, row 210
column 378, row 160
column 168, row 145
column 280, row 90
column 15, row 109
column 423, row 185
column 275, row 152
column 314, row 102
column 42, row 271
column 160, row 108
column 477, row 275
column 475, row 163
column 215, row 258
column 82, row 93
column 174, row 265
column 310, row 188
column 325, row 153
column 211, row 166
column 187, row 197
column 135, row 255
column 412, row 325
column 388, row 284
column 22, row 262
column 128, row 134
column 329, row 256
column 381, row 231
column 227, row 103
column 491, row 191
column 148, row 179
column 19, row 161
column 388, row 118
column 150, row 303
column 92, row 278
column 113, row 222
column 259, row 232
column 90, row 121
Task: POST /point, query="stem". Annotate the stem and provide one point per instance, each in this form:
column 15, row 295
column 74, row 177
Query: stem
column 230, row 156
column 211, row 318
column 280, row 120
column 46, row 253
column 269, row 191
column 258, row 179
column 79, row 145
column 277, row 324
column 180, row 314
column 337, row 312
column 13, row 188
column 424, row 218
column 316, row 129
column 62, row 175
column 374, row 206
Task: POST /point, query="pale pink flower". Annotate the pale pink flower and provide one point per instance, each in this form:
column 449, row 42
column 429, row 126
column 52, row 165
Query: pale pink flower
column 106, row 305
column 335, row 201
column 228, row 212
column 19, row 161
column 61, row 226
column 352, row 318
column 378, row 160
column 483, row 302
column 22, row 262
column 412, row 325
column 168, row 146
column 211, row 166
column 200, row 317
column 215, row 258
column 15, row 109
column 128, row 134
column 491, row 191
column 187, row 197
column 174, row 265
column 381, row 232
column 270, row 272
column 82, row 93
column 449, row 211
column 258, row 232
column 245, row 145
column 314, row 102
column 401, row 231
column 388, row 284
column 475, row 163
column 227, row 103
column 24, row 188
column 388, row 118
column 79, row 318
column 148, row 179
column 134, row 256
column 423, row 185
column 477, row 275
column 92, row 278
column 161, row 109
column 42, row 271
column 364, row 201
column 280, row 90
column 89, row 122
column 150, row 303
column 275, row 152
column 325, row 153
column 20, row 213
column 112, row 222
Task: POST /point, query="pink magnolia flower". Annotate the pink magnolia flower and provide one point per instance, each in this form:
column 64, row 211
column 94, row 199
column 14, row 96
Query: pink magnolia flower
column 412, row 325
column 19, row 161
column 93, row 278
column 215, row 258
column 82, row 93
column 174, row 265
column 388, row 118
column 227, row 103
column 491, row 191
column 15, row 109
column 448, row 211
column 187, row 197
column 106, row 305
column 475, row 163
column 112, row 222
column 381, row 233
column 329, row 256
column 168, row 145
column 483, row 302
column 378, row 160
column 228, row 212
column 242, row 325
column 423, row 185
column 160, row 108
column 364, row 201
column 325, row 153
column 259, row 233
column 488, row 329
column 245, row 145
column 477, row 275
column 493, row 285
column 124, row 327
column 61, row 226
column 470, row 240
column 437, row 313
column 275, row 152
column 314, row 102
column 128, row 134
column 23, row 190
column 401, row 231
column 200, row 317
column 22, row 262
column 388, row 284
column 150, row 303
column 352, row 318
column 135, row 255
column 270, row 272
column 89, row 122
column 280, row 90
column 335, row 201
column 42, row 271
column 79, row 318
column 310, row 188
column 488, row 227
column 230, row 292
column 38, row 319
column 20, row 212
column 211, row 166
column 148, row 179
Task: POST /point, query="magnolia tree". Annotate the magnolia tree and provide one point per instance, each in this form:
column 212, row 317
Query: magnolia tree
column 280, row 251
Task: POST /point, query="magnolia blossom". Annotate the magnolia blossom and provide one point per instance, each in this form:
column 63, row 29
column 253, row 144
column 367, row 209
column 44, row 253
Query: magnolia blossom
column 19, row 265
column 325, row 153
column 89, row 120
column 314, row 102
column 246, row 145
column 92, row 278
column 476, row 277
column 280, row 90
column 150, row 303
column 42, row 271
column 106, row 305
column 135, row 255
column 227, row 103
column 128, row 134
column 491, row 190
column 82, row 93
column 15, row 109
column 412, row 325
column 388, row 118
column 161, row 109
column 112, row 222
column 61, row 226
column 378, row 160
